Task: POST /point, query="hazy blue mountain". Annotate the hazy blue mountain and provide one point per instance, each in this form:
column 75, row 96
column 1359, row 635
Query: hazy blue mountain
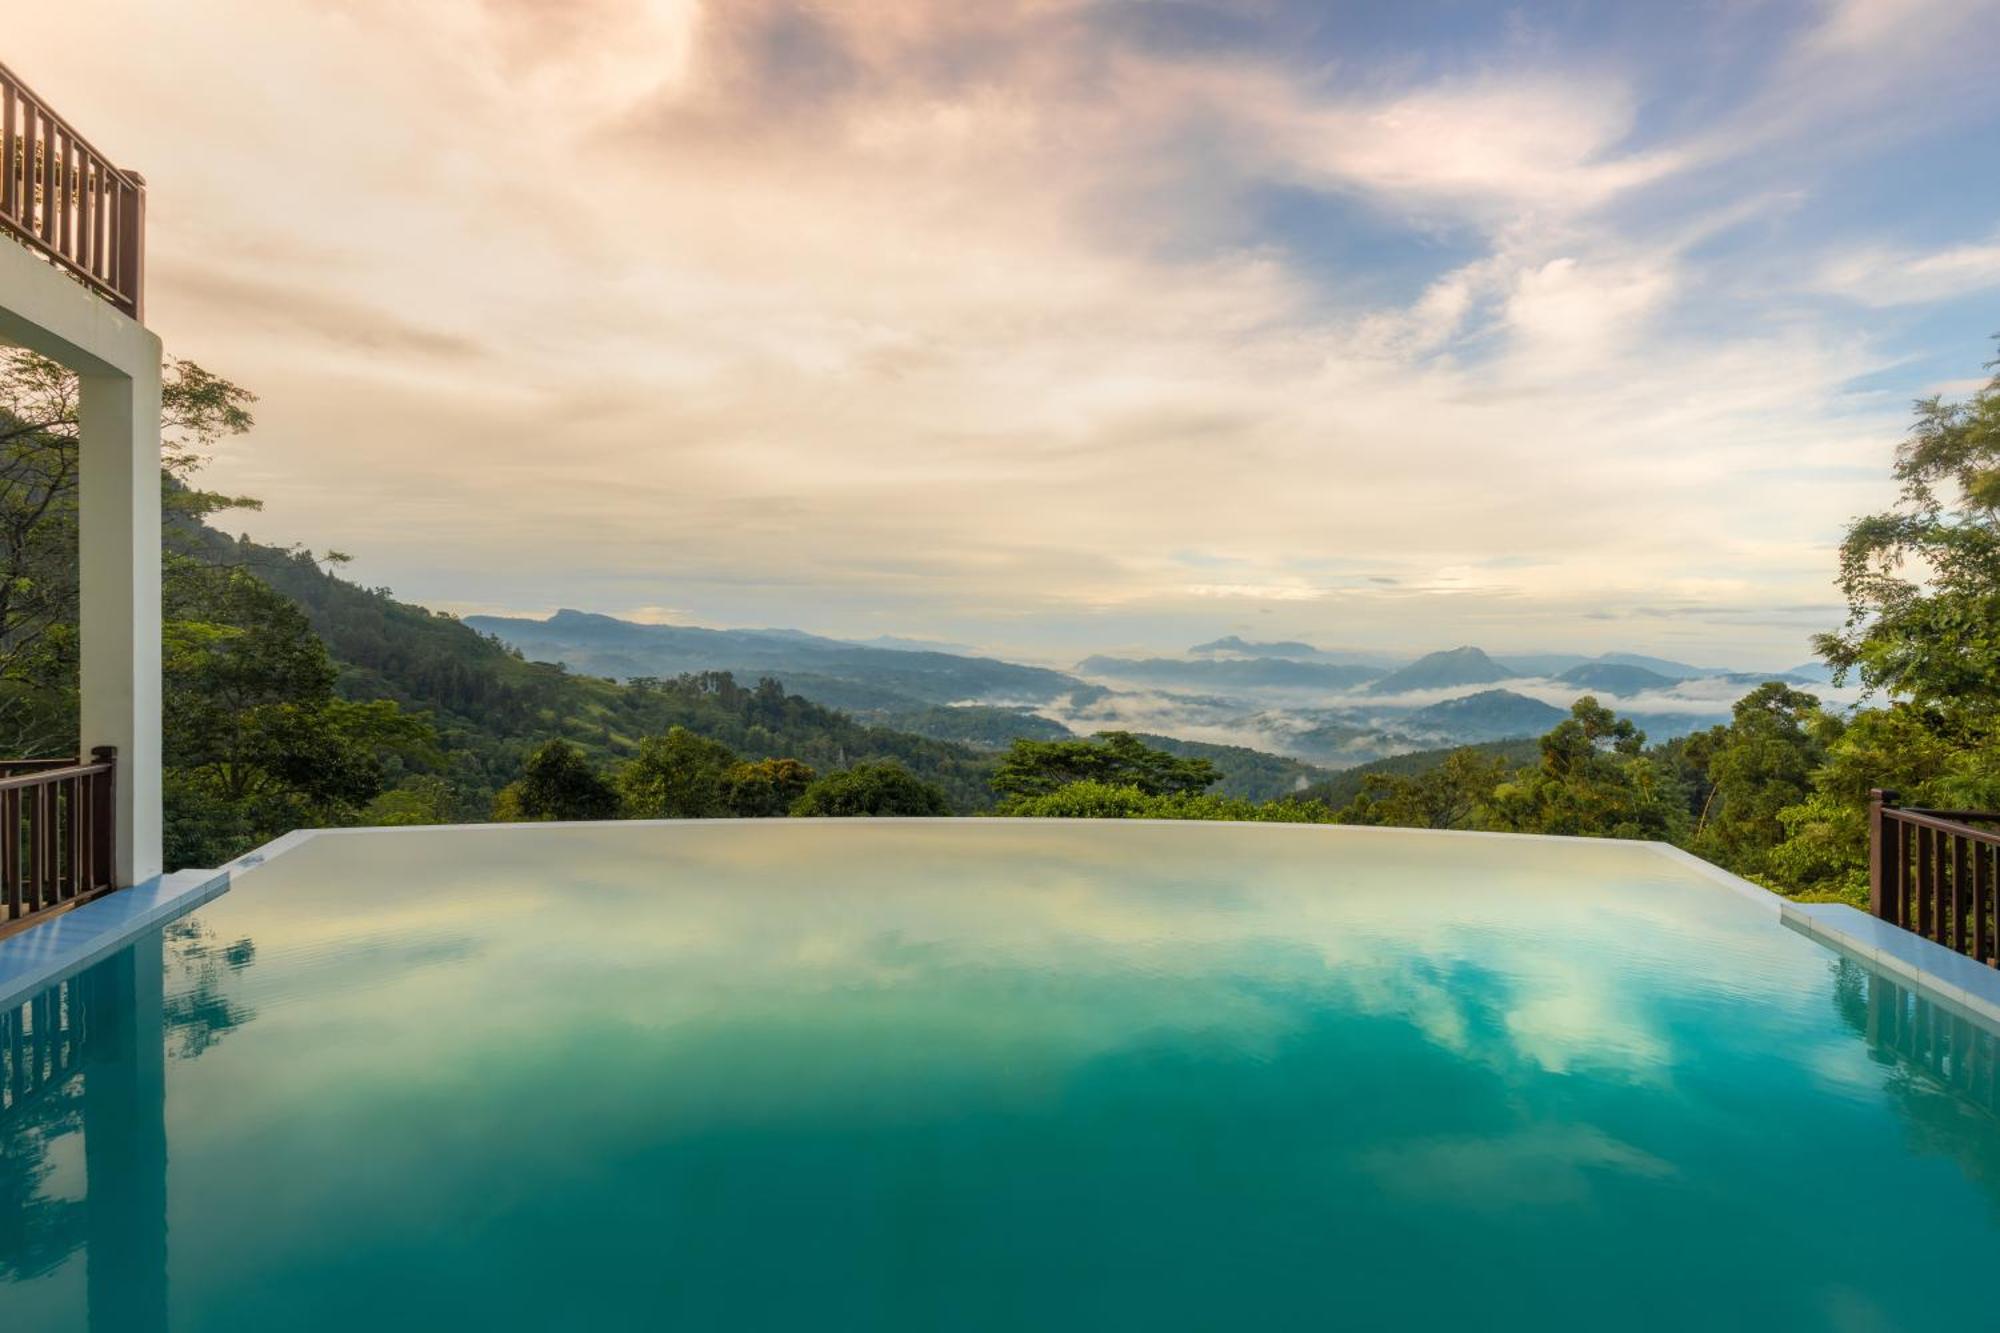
column 829, row 671
column 1542, row 664
column 1616, row 678
column 1666, row 666
column 1301, row 652
column 1817, row 672
column 1752, row 679
column 1230, row 672
column 1233, row 644
column 1437, row 671
column 1490, row 715
column 896, row 643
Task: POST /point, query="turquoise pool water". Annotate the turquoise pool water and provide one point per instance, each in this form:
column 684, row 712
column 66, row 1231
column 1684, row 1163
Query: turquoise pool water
column 1047, row 1076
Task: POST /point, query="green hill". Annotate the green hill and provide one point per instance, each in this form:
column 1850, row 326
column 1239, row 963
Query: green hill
column 490, row 706
column 1345, row 785
column 1251, row 774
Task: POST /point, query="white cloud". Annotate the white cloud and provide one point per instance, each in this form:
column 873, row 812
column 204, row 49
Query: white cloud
column 927, row 323
column 1890, row 277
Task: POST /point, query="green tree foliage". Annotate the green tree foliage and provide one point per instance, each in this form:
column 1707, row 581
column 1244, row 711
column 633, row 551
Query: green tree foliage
column 1756, row 767
column 871, row 789
column 1593, row 781
column 256, row 741
column 1923, row 580
column 676, row 776
column 1090, row 799
column 1456, row 794
column 38, row 527
column 421, row 799
column 1114, row 758
column 557, row 782
column 767, row 788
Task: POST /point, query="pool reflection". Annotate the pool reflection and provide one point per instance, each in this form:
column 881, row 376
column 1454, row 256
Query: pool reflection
column 83, row 1136
column 1939, row 1069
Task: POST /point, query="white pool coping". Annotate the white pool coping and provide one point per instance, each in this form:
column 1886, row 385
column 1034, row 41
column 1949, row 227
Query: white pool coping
column 47, row 953
column 1923, row 964
column 44, row 954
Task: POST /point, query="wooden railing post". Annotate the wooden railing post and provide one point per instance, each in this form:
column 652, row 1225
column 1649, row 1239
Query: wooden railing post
column 131, row 279
column 1882, row 901
column 104, row 816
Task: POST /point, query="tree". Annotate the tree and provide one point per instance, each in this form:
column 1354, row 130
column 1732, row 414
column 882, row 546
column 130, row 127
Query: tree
column 1098, row 800
column 1922, row 580
column 38, row 526
column 871, row 789
column 423, row 799
column 256, row 742
column 676, row 776
column 1593, row 781
column 1454, row 795
column 764, row 789
column 1758, row 765
column 1114, row 758
column 557, row 782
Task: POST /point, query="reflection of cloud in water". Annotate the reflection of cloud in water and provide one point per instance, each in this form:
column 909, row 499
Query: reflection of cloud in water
column 1030, row 942
column 1537, row 1166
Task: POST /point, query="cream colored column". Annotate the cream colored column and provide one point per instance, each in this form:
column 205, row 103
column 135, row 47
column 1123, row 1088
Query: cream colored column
column 119, row 549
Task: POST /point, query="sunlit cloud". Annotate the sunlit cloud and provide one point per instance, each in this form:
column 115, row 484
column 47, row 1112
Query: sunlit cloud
column 957, row 321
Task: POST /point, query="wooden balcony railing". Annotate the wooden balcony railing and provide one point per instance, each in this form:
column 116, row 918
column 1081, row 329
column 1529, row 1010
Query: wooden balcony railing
column 43, row 1044
column 1936, row 873
column 57, row 835
column 65, row 200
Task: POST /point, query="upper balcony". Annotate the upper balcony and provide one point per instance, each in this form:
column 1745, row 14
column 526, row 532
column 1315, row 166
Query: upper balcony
column 65, row 200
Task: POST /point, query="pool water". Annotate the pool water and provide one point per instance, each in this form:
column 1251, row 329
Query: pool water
column 1006, row 1075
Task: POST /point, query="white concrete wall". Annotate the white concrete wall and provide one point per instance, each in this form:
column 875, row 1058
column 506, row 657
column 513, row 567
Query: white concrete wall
column 119, row 522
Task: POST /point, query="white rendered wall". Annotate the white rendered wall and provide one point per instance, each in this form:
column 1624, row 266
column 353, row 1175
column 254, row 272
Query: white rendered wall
column 118, row 361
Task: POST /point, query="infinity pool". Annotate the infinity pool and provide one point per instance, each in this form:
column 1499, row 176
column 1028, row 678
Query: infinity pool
column 1014, row 1075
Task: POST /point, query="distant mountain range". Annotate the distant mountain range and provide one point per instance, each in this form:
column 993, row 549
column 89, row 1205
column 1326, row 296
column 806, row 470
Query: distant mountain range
column 858, row 677
column 1282, row 673
column 1547, row 665
column 1301, row 710
column 1232, row 646
column 1616, row 678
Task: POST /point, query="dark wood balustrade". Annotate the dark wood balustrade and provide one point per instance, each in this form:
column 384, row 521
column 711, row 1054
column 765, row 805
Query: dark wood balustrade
column 43, row 1044
column 1936, row 873
column 65, row 200
column 57, row 835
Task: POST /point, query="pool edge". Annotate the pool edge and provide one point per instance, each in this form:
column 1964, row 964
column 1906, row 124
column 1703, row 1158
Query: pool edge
column 1964, row 983
column 40, row 957
column 47, row 953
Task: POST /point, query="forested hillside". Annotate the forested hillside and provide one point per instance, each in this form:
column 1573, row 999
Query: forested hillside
column 490, row 706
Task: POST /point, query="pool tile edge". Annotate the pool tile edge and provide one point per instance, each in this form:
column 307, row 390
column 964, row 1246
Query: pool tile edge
column 1964, row 982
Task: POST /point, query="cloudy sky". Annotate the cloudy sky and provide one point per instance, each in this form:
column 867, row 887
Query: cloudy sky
column 1052, row 324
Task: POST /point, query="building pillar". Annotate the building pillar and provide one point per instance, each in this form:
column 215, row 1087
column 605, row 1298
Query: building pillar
column 118, row 526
